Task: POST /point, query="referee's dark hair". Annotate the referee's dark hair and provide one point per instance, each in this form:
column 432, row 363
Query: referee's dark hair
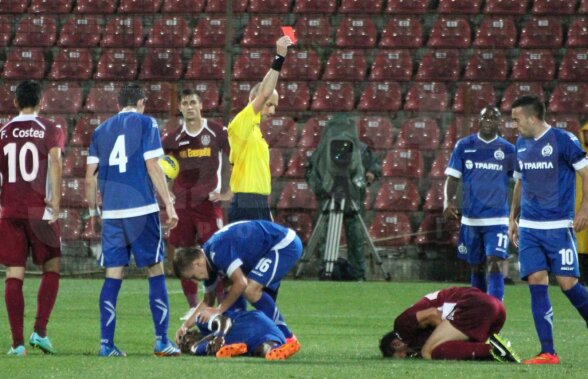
column 28, row 94
column 130, row 94
column 532, row 106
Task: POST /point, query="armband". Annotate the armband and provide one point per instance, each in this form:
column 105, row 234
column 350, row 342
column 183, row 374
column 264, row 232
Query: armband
column 278, row 62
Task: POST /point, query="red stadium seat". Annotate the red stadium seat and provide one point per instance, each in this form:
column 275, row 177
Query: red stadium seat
column 117, row 64
column 209, row 93
column 72, row 193
column 38, row 31
column 209, row 32
column 159, row 97
column 74, row 163
column 4, row 118
column 360, row 6
column 139, row 6
column 312, row 130
column 7, row 94
column 300, row 222
column 301, row 65
column 435, row 196
column 70, row 224
column 534, row 65
column 123, row 32
column 514, row 7
column 95, row 6
column 431, row 97
column 333, row 97
column 313, row 6
column 419, row 133
column 405, row 31
column 345, row 64
column 508, row 131
column 569, row 98
column 182, row 6
column 71, row 64
column 261, row 31
column 82, row 133
column 578, row 33
column 452, row 32
column 583, row 8
column 269, row 6
column 169, row 32
column 294, row 96
column 496, row 33
column 565, row 122
column 277, row 163
column 435, row 230
column 298, row 163
column 376, row 132
column 279, row 131
column 4, row 31
column 162, row 64
column 541, row 33
column 206, row 64
column 553, row 7
column 398, row 194
column 439, row 65
column 516, row 90
column 62, row 97
column 471, row 98
column 459, row 6
column 487, row 65
column 407, row 6
column 53, row 7
column 313, row 30
column 391, row 65
column 391, row 229
column 13, row 6
column 240, row 94
column 458, row 128
column 356, row 32
column 220, row 6
column 24, row 63
column 406, row 163
column 574, row 65
column 296, row 195
column 380, row 97
column 81, row 31
column 103, row 98
column 252, row 64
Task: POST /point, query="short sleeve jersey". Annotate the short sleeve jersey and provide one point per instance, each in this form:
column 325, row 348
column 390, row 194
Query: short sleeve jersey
column 200, row 158
column 25, row 143
column 120, row 146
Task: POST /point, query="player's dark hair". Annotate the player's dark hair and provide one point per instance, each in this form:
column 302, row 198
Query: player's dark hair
column 130, row 94
column 532, row 106
column 28, row 94
column 188, row 91
column 386, row 344
column 183, row 259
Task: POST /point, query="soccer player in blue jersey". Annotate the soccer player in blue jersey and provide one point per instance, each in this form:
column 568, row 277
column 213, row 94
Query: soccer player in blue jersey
column 542, row 221
column 485, row 162
column 255, row 256
column 123, row 161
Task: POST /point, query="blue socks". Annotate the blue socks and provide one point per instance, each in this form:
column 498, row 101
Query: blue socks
column 579, row 298
column 496, row 285
column 107, row 305
column 543, row 316
column 159, row 303
column 478, row 280
column 268, row 306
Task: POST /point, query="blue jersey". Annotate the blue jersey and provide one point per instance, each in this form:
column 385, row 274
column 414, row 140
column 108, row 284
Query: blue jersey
column 120, row 146
column 546, row 167
column 485, row 168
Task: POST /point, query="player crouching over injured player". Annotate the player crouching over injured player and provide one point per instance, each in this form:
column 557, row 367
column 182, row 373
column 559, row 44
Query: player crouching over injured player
column 457, row 323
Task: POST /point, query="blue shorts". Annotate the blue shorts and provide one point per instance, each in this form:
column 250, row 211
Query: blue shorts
column 478, row 242
column 276, row 264
column 139, row 235
column 552, row 250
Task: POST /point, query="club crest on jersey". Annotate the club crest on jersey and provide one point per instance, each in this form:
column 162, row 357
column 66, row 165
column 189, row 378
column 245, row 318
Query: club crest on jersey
column 205, row 139
column 499, row 155
column 547, row 150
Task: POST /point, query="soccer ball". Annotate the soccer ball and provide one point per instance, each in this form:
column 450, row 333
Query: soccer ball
column 170, row 166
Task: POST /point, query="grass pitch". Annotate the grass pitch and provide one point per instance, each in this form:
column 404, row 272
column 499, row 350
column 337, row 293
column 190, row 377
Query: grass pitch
column 338, row 324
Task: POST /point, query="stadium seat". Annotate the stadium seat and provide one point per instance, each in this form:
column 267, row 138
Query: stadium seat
column 162, row 64
column 439, row 164
column 5, row 32
column 583, row 7
column 458, row 128
column 508, row 131
column 117, row 64
column 534, row 65
column 279, row 131
column 102, row 98
column 7, row 93
column 209, row 32
column 312, row 130
column 169, row 32
column 159, row 97
column 37, row 31
column 496, row 33
column 313, row 30
column 541, row 33
column 380, row 97
column 315, row 7
column 376, row 132
column 431, row 97
column 459, row 6
column 81, row 31
column 74, row 163
column 294, row 96
column 569, row 98
column 72, row 193
column 402, row 31
column 209, row 93
column 565, row 122
column 360, row 6
column 407, row 6
column 53, row 7
column 451, row 32
column 240, row 94
column 407, row 163
column 277, row 163
column 296, row 167
column 553, row 7
column 139, row 6
column 300, row 222
column 206, row 64
column 252, row 64
column 269, row 6
column 296, row 195
column 5, row 118
column 435, row 230
column 71, row 64
column 514, row 7
column 391, row 229
column 24, row 63
column 333, row 97
column 574, row 65
column 391, row 65
column 356, row 32
column 398, row 194
column 182, row 6
column 82, row 132
column 516, row 90
column 419, row 133
column 487, row 65
column 95, row 6
column 439, row 65
column 14, row 6
column 301, row 65
column 220, row 6
column 471, row 98
column 70, row 224
column 261, row 31
column 578, row 33
column 435, row 196
column 62, row 97
column 123, row 32
column 345, row 64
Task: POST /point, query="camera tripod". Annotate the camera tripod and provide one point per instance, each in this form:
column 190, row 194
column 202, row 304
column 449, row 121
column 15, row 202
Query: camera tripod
column 334, row 211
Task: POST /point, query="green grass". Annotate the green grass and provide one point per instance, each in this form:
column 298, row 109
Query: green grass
column 338, row 324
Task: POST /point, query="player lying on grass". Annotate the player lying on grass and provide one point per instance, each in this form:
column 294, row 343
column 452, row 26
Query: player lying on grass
column 458, row 323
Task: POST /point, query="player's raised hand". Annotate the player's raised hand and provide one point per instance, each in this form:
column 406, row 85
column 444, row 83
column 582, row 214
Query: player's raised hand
column 282, row 45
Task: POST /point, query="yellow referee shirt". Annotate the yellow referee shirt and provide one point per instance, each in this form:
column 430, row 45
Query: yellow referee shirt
column 249, row 154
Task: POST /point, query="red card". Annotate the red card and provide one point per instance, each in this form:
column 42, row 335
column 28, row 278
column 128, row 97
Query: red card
column 289, row 31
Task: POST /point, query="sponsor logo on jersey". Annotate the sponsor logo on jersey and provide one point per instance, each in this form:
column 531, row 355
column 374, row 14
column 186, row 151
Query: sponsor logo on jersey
column 536, row 165
column 469, row 164
column 499, row 155
column 483, row 166
column 205, row 139
column 470, row 151
column 521, row 150
column 196, row 153
column 547, row 150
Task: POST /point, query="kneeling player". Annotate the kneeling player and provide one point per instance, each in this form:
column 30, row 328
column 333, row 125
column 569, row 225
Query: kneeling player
column 458, row 323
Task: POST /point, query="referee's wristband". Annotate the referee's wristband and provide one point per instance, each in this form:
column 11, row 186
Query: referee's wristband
column 278, row 62
column 93, row 212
